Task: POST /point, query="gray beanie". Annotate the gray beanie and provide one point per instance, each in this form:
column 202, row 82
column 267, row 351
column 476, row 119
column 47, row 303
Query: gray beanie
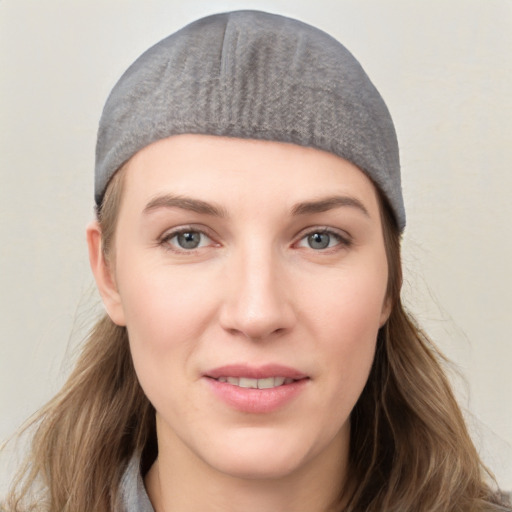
column 252, row 75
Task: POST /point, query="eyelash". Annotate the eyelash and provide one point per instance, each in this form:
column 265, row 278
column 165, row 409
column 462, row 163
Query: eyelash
column 342, row 241
column 165, row 240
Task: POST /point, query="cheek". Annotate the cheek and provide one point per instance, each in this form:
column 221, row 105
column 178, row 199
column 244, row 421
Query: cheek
column 351, row 353
column 346, row 322
column 163, row 331
column 163, row 306
column 165, row 323
column 349, row 304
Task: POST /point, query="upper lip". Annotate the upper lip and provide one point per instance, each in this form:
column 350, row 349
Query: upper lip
column 255, row 372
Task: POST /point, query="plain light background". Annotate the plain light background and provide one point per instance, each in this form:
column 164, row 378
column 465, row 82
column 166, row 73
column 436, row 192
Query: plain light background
column 444, row 68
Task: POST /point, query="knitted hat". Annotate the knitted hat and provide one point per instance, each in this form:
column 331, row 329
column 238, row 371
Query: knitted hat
column 252, row 75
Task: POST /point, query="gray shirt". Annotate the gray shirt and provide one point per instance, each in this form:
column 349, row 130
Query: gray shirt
column 133, row 493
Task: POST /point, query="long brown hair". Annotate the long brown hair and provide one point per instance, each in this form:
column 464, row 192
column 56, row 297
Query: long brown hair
column 410, row 449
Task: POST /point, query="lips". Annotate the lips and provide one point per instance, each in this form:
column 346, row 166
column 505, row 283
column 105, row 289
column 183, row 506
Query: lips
column 253, row 372
column 260, row 389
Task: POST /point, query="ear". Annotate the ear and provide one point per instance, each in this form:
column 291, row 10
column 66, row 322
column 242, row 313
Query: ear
column 104, row 275
column 386, row 310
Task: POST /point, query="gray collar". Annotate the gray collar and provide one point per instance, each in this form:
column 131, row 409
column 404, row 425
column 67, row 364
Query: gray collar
column 133, row 493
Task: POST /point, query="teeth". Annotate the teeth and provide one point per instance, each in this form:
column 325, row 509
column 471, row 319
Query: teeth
column 248, row 383
column 267, row 383
column 279, row 381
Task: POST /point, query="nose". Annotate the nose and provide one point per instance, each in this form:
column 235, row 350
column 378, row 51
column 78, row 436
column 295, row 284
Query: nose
column 257, row 303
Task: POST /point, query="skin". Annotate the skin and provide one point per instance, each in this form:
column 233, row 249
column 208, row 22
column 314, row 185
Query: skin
column 256, row 290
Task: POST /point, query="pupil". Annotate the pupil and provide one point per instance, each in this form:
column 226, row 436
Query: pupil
column 189, row 239
column 318, row 240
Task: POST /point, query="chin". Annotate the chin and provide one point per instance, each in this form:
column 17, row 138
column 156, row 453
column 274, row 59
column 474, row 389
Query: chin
column 264, row 455
column 258, row 466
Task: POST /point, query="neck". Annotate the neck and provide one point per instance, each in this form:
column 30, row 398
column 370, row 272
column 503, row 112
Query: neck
column 179, row 481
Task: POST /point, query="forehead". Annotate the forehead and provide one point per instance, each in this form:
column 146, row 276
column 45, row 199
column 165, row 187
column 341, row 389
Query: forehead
column 234, row 171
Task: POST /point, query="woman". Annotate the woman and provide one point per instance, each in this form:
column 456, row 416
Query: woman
column 255, row 354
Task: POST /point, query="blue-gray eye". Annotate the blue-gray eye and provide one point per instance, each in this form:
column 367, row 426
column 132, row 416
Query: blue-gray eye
column 185, row 240
column 319, row 240
column 188, row 239
column 322, row 239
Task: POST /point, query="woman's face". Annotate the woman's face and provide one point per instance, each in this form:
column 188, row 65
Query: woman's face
column 251, row 277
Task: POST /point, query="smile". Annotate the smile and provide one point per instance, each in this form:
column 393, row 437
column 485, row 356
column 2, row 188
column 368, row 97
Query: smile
column 266, row 383
column 256, row 389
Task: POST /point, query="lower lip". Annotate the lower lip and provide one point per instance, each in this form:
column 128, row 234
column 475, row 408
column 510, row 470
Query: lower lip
column 256, row 401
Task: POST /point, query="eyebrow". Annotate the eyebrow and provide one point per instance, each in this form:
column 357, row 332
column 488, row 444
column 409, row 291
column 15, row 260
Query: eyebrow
column 185, row 203
column 205, row 208
column 328, row 203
